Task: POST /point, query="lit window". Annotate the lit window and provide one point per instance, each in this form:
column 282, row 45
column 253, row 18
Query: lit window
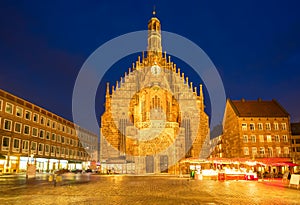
column 52, row 150
column 270, row 151
column 285, row 150
column 283, row 125
column 27, row 115
column 42, row 133
column 33, row 147
column 275, row 126
column 260, row 126
column 25, row 146
column 34, row 132
column 244, row 126
column 268, row 126
column 48, row 122
column 254, row 151
column 42, row 120
column 57, row 151
column 277, row 138
column 269, row 138
column 58, row 138
column 9, row 108
column 261, row 138
column 53, row 137
column 47, row 149
column 67, row 152
column 253, row 138
column 285, row 138
column 7, row 125
column 26, row 130
column 41, row 149
column 5, row 143
column 47, row 135
column 278, row 151
column 16, row 145
column 261, row 150
column 246, row 151
column 252, row 127
column 18, row 127
column 19, row 112
column 53, row 125
column 245, row 138
column 35, row 118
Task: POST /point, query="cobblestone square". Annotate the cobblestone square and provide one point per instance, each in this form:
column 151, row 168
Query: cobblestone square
column 120, row 189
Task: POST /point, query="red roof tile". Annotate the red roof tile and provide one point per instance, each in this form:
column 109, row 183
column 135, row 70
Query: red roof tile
column 259, row 108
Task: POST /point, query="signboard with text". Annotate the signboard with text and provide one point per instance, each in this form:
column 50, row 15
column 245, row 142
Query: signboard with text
column 31, row 170
column 295, row 180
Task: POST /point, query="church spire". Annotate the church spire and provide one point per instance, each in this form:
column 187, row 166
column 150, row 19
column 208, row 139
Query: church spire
column 154, row 36
column 107, row 101
column 107, row 89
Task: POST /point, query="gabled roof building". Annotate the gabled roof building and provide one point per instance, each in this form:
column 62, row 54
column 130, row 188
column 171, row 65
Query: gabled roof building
column 255, row 129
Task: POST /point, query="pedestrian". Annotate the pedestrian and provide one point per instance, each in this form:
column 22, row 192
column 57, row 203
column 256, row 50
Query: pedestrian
column 54, row 180
column 193, row 174
column 289, row 176
column 272, row 175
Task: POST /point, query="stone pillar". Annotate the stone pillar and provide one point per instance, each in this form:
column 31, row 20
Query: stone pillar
column 7, row 164
column 48, row 162
column 18, row 164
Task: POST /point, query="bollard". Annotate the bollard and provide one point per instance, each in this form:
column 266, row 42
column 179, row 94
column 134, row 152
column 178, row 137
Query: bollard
column 50, row 178
column 54, row 180
column 58, row 178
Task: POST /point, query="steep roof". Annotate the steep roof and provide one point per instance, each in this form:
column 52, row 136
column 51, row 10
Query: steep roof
column 295, row 128
column 258, row 108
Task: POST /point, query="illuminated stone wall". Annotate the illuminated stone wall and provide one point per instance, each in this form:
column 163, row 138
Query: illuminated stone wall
column 154, row 116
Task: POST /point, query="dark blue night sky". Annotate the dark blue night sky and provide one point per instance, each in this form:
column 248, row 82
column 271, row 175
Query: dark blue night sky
column 255, row 45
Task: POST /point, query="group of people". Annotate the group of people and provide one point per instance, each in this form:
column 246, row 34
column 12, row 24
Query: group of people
column 273, row 174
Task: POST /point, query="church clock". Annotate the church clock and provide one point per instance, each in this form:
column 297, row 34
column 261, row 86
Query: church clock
column 155, row 69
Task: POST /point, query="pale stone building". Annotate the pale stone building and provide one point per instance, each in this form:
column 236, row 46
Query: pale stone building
column 153, row 116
